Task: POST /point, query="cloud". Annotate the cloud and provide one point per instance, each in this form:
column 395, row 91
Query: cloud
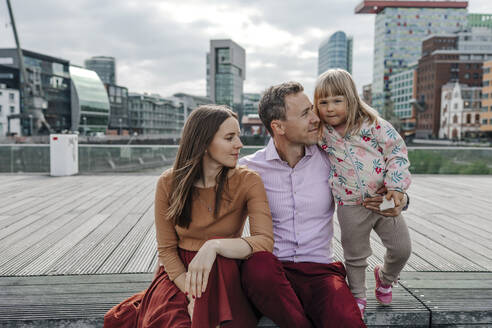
column 160, row 45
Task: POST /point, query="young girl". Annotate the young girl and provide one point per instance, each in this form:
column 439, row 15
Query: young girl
column 366, row 153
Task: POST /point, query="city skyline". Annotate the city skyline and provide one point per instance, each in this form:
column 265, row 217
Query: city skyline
column 160, row 46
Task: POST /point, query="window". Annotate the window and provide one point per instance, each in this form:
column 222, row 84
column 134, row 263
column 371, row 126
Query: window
column 12, row 109
column 0, row 108
column 11, row 96
column 484, row 121
column 455, row 119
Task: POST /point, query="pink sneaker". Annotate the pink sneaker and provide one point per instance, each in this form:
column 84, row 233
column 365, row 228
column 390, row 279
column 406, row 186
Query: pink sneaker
column 361, row 303
column 384, row 295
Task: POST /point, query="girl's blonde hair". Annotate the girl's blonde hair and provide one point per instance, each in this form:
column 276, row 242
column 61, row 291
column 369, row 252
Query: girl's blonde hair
column 339, row 82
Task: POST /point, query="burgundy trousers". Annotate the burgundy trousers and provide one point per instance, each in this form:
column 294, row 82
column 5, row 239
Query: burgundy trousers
column 163, row 305
column 302, row 294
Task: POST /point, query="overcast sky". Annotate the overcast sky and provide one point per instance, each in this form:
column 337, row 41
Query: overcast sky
column 160, row 46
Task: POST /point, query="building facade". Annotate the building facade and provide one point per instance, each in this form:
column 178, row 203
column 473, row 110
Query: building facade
column 367, row 94
column 50, row 77
column 443, row 62
column 104, row 66
column 479, row 20
column 399, row 29
column 151, row 114
column 118, row 113
column 226, row 72
column 191, row 102
column 486, row 111
column 90, row 103
column 460, row 111
column 403, row 94
column 250, row 103
column 9, row 108
column 335, row 52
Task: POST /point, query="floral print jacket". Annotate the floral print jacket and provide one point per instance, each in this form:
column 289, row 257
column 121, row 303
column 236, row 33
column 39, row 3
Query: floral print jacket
column 361, row 163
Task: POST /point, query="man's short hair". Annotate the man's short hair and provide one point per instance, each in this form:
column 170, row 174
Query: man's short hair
column 272, row 103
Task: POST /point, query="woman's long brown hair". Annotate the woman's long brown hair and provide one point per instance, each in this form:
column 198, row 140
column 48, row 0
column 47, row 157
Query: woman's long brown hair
column 198, row 132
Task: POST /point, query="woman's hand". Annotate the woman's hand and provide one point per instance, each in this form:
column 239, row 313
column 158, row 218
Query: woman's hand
column 191, row 307
column 199, row 269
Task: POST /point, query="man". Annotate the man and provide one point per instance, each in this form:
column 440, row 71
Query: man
column 307, row 286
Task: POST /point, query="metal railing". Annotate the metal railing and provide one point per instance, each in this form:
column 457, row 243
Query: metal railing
column 17, row 158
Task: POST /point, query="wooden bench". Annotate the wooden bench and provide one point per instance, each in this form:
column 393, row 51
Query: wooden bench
column 82, row 300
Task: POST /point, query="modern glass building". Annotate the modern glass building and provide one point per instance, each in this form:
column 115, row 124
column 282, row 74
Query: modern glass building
column 191, row 102
column 335, row 52
column 153, row 114
column 250, row 103
column 90, row 103
column 479, row 20
column 118, row 102
column 104, row 66
column 402, row 92
column 51, row 78
column 400, row 27
column 226, row 72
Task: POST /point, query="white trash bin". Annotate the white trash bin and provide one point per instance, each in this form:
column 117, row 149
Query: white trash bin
column 64, row 154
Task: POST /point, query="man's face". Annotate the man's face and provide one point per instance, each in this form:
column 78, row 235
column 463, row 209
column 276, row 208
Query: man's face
column 301, row 123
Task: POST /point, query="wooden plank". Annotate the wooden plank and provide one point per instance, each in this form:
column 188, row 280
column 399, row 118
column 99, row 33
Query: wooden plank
column 455, row 298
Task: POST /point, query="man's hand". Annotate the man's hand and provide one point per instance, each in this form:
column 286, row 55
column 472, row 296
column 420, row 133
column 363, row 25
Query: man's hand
column 373, row 203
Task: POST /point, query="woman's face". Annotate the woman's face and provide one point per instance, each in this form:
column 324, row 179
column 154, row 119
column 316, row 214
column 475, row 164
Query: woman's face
column 225, row 146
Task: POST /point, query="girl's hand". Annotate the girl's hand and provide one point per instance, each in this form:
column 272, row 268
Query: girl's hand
column 396, row 195
column 199, row 269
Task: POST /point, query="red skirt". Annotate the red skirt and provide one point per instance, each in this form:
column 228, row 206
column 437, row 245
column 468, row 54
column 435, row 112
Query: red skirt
column 164, row 305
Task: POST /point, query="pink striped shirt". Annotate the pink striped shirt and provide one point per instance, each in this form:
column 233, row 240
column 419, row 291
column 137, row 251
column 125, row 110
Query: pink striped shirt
column 300, row 201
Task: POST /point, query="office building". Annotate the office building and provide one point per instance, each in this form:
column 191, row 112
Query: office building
column 442, row 62
column 118, row 113
column 90, row 103
column 250, row 103
column 151, row 114
column 460, row 111
column 403, row 93
column 486, row 111
column 50, row 78
column 226, row 72
column 104, row 66
column 399, row 29
column 479, row 20
column 9, row 111
column 191, row 102
column 335, row 52
column 367, row 94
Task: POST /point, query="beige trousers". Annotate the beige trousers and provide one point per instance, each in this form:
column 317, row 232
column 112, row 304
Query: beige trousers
column 356, row 223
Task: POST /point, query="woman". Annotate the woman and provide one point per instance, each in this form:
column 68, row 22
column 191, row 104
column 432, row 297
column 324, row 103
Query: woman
column 200, row 209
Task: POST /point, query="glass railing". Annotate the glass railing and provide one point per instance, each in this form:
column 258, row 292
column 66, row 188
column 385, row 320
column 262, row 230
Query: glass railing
column 19, row 158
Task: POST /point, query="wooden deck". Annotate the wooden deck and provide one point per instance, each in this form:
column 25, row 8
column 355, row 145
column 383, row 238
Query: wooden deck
column 89, row 230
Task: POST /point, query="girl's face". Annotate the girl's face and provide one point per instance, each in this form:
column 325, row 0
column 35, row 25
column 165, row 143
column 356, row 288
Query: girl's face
column 225, row 146
column 333, row 111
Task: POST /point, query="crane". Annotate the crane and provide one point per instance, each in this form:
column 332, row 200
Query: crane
column 32, row 95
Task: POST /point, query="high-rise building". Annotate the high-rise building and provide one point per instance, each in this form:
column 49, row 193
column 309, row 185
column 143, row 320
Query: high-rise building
column 399, row 29
column 479, row 20
column 460, row 111
column 486, row 111
column 226, row 72
column 104, row 66
column 50, row 77
column 335, row 52
column 367, row 94
column 89, row 101
column 250, row 103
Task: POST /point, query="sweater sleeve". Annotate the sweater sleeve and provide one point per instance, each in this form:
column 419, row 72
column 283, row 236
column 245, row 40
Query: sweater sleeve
column 260, row 219
column 167, row 238
column 395, row 153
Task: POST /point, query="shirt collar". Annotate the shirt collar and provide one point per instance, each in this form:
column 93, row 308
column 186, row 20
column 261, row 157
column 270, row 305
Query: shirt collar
column 272, row 154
